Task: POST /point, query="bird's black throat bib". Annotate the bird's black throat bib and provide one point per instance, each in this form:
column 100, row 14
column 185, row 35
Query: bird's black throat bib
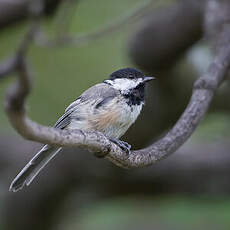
column 136, row 96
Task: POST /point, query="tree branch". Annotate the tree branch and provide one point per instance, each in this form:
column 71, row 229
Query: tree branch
column 204, row 89
column 7, row 67
column 15, row 11
column 106, row 30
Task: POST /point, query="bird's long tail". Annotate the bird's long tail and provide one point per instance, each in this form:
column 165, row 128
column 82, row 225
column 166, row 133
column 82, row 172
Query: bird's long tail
column 35, row 165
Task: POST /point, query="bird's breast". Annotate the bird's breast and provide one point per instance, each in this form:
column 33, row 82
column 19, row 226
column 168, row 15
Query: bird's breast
column 115, row 118
column 112, row 118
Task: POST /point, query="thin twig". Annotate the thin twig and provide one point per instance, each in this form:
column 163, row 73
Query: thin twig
column 43, row 40
column 7, row 67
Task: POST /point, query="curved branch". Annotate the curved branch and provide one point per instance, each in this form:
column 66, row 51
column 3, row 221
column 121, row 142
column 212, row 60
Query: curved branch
column 7, row 67
column 204, row 89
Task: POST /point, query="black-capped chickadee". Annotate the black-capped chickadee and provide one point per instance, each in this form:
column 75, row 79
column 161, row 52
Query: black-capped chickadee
column 110, row 107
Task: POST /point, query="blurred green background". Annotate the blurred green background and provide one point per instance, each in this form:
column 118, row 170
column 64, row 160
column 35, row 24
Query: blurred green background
column 61, row 74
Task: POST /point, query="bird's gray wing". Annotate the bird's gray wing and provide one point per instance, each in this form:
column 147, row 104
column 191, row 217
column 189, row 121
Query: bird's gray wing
column 97, row 96
column 65, row 119
column 98, row 93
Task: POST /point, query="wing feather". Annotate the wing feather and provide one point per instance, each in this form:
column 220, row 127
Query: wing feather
column 97, row 95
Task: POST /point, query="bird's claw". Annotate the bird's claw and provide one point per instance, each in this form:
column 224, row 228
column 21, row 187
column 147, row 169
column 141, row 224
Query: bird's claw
column 123, row 145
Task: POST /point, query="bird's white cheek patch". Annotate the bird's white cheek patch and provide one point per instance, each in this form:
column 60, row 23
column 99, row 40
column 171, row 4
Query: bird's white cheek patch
column 124, row 84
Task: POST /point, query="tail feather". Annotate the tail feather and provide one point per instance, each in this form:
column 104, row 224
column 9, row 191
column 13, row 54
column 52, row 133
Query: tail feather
column 35, row 165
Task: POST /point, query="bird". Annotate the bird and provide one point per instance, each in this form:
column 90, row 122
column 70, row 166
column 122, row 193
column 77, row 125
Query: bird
column 109, row 107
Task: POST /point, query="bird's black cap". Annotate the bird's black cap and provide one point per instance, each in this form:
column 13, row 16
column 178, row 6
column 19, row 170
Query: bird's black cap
column 126, row 73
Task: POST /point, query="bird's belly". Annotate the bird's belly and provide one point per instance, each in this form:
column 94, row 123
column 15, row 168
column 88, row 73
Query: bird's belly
column 111, row 130
column 115, row 130
column 115, row 122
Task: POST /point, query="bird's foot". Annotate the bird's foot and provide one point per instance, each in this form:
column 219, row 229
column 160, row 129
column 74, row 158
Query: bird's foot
column 123, row 145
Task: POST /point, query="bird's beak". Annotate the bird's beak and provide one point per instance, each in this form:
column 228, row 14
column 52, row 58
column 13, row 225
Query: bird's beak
column 148, row 78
